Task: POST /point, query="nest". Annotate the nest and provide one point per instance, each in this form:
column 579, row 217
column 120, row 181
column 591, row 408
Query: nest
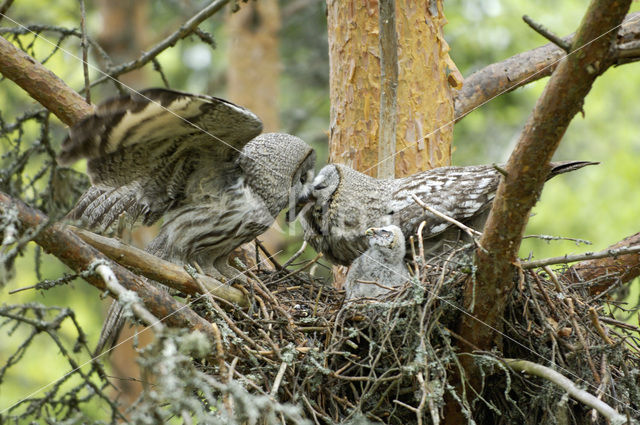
column 393, row 360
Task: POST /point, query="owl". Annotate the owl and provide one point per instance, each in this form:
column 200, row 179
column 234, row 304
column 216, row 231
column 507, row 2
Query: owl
column 197, row 161
column 341, row 203
column 381, row 265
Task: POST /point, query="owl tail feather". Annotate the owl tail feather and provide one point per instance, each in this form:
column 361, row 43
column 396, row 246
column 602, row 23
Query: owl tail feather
column 567, row 166
column 111, row 328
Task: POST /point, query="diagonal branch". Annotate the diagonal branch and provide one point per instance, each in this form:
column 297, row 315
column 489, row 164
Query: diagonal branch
column 527, row 67
column 609, row 270
column 160, row 270
column 527, row 169
column 60, row 241
column 42, row 84
column 185, row 30
column 528, row 165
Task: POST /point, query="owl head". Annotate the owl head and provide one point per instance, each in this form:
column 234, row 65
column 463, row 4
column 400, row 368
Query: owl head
column 390, row 237
column 317, row 191
column 277, row 166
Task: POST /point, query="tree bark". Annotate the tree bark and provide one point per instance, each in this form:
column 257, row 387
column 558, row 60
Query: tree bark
column 526, row 172
column 424, row 100
column 527, row 67
column 605, row 272
column 60, row 241
column 42, row 84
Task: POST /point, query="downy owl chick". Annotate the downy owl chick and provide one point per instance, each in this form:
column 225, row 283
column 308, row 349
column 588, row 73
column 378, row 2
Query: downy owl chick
column 382, row 265
column 341, row 203
column 197, row 161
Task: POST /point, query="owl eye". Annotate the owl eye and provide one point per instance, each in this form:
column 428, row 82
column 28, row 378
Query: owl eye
column 320, row 186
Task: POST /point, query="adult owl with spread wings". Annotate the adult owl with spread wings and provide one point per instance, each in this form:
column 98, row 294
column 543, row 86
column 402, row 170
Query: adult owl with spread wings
column 197, row 161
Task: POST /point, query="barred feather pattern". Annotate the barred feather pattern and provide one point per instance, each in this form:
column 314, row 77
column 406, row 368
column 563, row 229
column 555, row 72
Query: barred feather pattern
column 341, row 204
column 217, row 184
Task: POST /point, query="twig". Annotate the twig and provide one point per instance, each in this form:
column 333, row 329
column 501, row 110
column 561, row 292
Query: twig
column 540, row 29
column 4, row 7
column 112, row 284
column 295, row 255
column 187, row 28
column 270, row 257
column 295, row 272
column 554, row 279
column 593, row 314
column 558, row 238
column 579, row 257
column 278, row 380
column 85, row 55
column 566, row 384
column 581, row 338
column 468, row 230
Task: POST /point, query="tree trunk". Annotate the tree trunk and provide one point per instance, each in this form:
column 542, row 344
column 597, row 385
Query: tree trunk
column 254, row 62
column 424, row 108
column 424, row 114
column 253, row 82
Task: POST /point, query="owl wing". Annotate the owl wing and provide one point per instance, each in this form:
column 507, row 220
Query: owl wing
column 458, row 192
column 143, row 148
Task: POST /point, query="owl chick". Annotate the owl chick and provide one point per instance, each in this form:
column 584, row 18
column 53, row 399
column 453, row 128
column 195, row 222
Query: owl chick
column 341, row 203
column 197, row 161
column 382, row 265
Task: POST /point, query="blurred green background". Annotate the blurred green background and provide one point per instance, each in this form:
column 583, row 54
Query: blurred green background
column 599, row 204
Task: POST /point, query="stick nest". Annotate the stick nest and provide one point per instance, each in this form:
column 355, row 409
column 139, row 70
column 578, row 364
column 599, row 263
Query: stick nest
column 393, row 360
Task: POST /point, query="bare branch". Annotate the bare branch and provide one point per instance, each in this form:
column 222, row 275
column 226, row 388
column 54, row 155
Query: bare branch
column 4, row 7
column 112, row 284
column 566, row 384
column 85, row 55
column 60, row 241
column 41, row 84
column 185, row 30
column 608, row 270
column 543, row 31
column 607, row 253
column 528, row 166
column 468, row 230
column 159, row 270
column 527, row 67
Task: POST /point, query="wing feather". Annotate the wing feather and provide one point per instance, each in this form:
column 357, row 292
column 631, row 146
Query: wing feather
column 142, row 150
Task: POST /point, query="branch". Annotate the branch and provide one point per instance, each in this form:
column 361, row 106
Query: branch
column 162, row 271
column 60, row 241
column 608, row 270
column 610, row 252
column 112, row 284
column 42, row 84
column 185, row 30
column 566, row 384
column 528, row 166
column 527, row 67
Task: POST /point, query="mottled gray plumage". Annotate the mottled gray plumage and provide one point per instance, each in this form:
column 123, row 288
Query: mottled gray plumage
column 195, row 160
column 382, row 263
column 342, row 203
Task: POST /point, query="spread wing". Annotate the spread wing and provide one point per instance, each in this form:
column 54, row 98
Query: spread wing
column 143, row 149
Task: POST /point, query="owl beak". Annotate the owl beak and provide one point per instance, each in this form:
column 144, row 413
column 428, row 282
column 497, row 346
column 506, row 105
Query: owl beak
column 370, row 232
column 304, row 198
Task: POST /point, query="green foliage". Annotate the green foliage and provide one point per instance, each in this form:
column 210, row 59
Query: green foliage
column 598, row 203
